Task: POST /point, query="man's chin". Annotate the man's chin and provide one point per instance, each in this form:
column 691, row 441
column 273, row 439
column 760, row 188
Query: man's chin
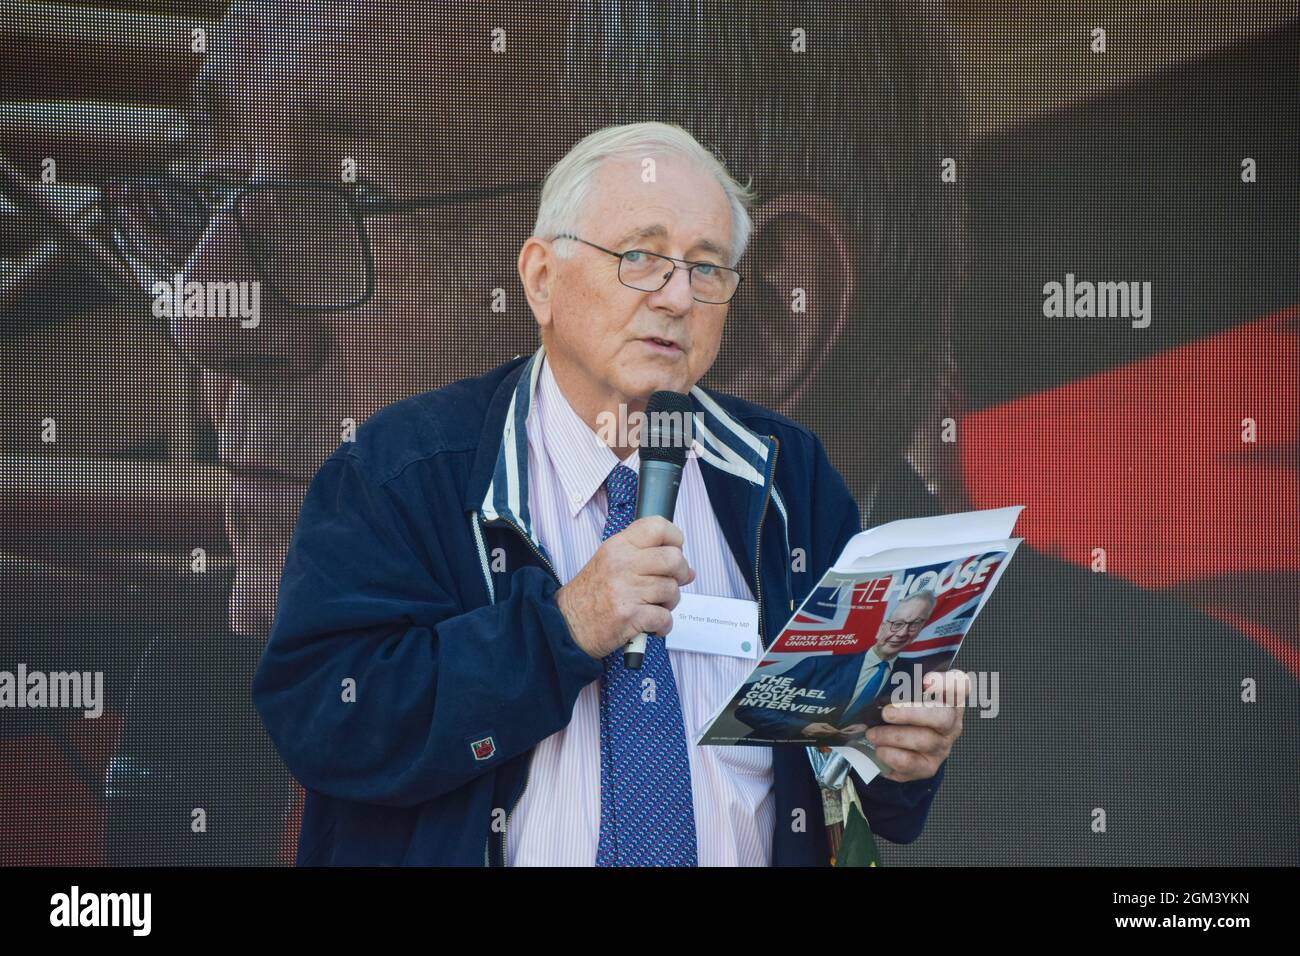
column 660, row 378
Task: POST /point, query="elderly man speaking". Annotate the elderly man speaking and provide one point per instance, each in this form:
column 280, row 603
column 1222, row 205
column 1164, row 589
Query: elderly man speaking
column 445, row 673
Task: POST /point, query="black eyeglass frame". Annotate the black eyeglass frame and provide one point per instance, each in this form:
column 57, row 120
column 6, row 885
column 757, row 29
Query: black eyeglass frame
column 362, row 201
column 690, row 264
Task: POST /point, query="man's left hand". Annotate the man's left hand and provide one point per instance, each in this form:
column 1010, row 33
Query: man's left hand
column 917, row 736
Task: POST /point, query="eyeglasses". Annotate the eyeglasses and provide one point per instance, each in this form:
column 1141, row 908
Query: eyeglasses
column 307, row 239
column 650, row 272
column 898, row 627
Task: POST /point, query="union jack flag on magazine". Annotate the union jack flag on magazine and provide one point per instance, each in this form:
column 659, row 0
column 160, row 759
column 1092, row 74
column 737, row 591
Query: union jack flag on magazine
column 894, row 607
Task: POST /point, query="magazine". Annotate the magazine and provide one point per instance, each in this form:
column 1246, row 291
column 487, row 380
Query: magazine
column 895, row 606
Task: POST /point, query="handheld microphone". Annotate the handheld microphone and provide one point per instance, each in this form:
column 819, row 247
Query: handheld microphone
column 665, row 438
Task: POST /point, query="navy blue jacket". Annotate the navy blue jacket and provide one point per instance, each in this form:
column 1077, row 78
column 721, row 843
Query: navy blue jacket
column 417, row 654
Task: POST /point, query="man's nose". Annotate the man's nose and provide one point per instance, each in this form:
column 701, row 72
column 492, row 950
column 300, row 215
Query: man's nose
column 242, row 328
column 677, row 295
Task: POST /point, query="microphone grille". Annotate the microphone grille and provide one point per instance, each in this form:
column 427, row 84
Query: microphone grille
column 669, row 428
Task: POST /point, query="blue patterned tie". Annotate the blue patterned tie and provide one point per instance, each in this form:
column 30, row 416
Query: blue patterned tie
column 870, row 691
column 646, row 816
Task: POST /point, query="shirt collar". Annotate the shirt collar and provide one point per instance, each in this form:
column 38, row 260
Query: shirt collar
column 722, row 441
column 580, row 459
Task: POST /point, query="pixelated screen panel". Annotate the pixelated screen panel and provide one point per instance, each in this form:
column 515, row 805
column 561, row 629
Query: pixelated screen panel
column 996, row 256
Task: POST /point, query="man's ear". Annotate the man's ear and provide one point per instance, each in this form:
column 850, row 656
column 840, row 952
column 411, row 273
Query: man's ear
column 800, row 286
column 537, row 263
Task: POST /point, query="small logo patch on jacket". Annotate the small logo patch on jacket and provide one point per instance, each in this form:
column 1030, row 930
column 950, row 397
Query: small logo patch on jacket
column 483, row 748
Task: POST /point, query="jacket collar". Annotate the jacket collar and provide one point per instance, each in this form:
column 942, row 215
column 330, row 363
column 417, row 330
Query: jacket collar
column 498, row 486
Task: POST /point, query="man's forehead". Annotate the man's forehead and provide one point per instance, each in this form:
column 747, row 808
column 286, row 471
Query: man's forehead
column 634, row 201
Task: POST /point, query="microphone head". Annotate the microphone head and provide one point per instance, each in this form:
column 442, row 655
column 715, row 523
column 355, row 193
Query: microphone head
column 669, row 428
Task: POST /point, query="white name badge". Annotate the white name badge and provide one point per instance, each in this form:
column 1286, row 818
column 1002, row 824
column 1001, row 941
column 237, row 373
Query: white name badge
column 707, row 624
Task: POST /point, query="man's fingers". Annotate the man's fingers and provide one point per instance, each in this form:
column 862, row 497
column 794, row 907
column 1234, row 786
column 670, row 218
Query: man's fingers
column 654, row 531
column 665, row 561
column 658, row 590
column 904, row 764
column 917, row 714
column 949, row 687
column 921, row 739
column 652, row 619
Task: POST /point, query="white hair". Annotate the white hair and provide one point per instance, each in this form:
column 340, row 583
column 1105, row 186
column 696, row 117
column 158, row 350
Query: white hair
column 927, row 595
column 568, row 183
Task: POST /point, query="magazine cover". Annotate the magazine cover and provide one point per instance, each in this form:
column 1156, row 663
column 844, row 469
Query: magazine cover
column 867, row 634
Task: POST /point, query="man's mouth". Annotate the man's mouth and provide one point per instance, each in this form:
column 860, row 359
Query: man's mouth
column 666, row 346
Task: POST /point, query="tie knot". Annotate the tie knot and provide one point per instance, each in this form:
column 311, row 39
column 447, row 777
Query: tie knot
column 621, row 486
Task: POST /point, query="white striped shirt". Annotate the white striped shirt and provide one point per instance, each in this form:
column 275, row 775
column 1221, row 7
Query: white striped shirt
column 557, row 820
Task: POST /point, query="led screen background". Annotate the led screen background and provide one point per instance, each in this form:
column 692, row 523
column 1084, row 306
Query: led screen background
column 924, row 173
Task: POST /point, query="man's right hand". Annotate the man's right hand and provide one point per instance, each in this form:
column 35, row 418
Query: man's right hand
column 629, row 587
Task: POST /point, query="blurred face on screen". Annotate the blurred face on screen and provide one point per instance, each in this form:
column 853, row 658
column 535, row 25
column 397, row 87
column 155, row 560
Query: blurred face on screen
column 609, row 342
column 856, row 254
column 901, row 625
column 370, row 101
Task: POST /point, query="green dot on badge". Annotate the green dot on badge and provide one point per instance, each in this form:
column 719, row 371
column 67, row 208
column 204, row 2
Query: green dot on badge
column 745, row 646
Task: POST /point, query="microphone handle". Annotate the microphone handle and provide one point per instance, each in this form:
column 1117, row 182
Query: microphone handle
column 634, row 653
column 656, row 494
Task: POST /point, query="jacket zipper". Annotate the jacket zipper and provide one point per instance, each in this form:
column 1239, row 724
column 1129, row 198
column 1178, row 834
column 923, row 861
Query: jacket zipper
column 529, row 769
column 758, row 595
column 758, row 544
column 758, row 586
